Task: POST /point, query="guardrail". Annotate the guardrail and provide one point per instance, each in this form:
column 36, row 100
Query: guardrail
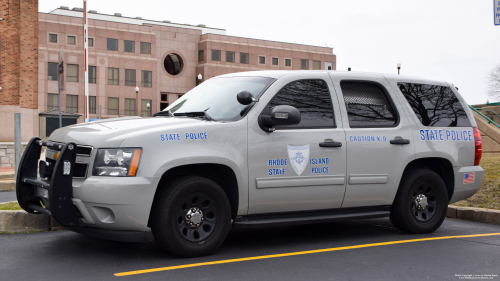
column 485, row 117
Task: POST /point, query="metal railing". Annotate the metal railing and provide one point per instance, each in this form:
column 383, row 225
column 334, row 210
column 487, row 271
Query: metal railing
column 485, row 117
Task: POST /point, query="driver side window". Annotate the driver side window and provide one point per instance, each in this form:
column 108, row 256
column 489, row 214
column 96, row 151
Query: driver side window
column 312, row 98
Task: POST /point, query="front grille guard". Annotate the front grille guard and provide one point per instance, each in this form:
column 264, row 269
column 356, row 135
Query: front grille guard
column 51, row 197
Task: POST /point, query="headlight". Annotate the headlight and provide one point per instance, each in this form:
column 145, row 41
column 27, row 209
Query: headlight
column 120, row 162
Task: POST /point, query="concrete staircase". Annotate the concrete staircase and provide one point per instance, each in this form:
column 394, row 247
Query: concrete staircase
column 7, row 181
column 490, row 136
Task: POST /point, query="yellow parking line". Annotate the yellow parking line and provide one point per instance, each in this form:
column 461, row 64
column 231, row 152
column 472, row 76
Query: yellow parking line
column 297, row 253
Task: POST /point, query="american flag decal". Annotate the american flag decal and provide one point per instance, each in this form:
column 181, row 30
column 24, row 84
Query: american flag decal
column 469, row 177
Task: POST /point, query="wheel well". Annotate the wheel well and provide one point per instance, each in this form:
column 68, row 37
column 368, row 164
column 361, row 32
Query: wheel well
column 441, row 166
column 221, row 174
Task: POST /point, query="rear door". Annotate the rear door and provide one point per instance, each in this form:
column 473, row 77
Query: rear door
column 378, row 137
column 288, row 169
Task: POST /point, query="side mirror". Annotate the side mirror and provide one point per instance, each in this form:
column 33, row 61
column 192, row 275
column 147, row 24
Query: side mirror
column 245, row 97
column 281, row 115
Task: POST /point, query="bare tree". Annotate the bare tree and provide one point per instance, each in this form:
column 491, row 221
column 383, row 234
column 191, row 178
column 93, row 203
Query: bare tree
column 494, row 82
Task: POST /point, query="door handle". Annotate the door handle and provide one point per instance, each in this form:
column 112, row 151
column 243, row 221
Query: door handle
column 330, row 143
column 399, row 140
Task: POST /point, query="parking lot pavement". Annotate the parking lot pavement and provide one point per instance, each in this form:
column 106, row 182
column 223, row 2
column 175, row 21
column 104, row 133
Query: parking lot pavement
column 7, row 196
column 65, row 255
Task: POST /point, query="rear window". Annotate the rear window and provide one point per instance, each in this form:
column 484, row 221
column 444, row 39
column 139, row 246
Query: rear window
column 435, row 106
column 367, row 105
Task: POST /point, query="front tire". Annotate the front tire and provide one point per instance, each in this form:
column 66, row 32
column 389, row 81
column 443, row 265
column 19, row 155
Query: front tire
column 191, row 216
column 421, row 203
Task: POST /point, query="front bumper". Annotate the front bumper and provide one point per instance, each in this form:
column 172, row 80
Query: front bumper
column 110, row 208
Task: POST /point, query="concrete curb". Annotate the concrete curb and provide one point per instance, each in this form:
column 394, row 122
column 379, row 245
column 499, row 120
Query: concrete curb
column 474, row 214
column 22, row 222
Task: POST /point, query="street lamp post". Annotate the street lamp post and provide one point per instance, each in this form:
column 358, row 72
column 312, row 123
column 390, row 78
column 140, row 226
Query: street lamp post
column 137, row 99
column 399, row 67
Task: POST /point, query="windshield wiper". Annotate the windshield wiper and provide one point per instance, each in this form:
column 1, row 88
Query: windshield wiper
column 195, row 114
column 163, row 113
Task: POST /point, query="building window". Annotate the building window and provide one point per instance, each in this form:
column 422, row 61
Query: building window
column 275, row 61
column 128, row 46
column 316, row 65
column 164, row 101
column 262, row 60
column 288, row 62
column 130, row 107
column 72, row 103
column 216, row 55
column 71, row 40
column 145, row 48
column 91, row 42
column 163, row 105
column 112, row 76
column 304, row 64
column 144, row 107
column 72, row 72
column 244, row 58
column 113, row 106
column 92, row 74
column 112, row 44
column 52, row 102
column 92, row 105
column 201, row 55
column 229, row 56
column 129, row 77
column 52, row 71
column 52, row 38
column 147, row 78
column 173, row 64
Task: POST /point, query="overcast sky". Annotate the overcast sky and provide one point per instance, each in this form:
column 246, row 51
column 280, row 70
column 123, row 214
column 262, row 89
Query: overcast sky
column 451, row 40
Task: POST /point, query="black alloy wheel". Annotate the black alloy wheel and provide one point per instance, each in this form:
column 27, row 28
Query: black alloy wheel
column 197, row 216
column 191, row 216
column 421, row 202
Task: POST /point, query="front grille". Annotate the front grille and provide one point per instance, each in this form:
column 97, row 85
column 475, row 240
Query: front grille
column 84, row 150
column 80, row 170
column 81, row 150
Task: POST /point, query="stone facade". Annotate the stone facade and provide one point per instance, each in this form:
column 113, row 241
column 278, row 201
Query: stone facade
column 8, row 153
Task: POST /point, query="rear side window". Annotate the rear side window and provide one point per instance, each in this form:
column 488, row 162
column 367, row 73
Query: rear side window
column 312, row 98
column 367, row 105
column 435, row 106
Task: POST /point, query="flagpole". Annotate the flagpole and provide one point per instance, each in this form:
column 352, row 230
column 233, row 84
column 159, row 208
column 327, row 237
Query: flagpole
column 86, row 59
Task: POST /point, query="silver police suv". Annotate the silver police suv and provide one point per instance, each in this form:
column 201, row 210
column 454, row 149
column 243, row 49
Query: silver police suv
column 261, row 148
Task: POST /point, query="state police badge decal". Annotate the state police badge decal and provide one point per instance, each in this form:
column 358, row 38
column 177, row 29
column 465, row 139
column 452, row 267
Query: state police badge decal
column 299, row 157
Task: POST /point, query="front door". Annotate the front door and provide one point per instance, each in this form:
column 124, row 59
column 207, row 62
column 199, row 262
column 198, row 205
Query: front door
column 378, row 137
column 288, row 169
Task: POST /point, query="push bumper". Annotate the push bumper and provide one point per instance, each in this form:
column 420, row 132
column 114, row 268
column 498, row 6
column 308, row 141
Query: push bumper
column 54, row 196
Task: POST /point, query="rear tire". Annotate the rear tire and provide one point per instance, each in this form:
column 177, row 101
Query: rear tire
column 421, row 203
column 191, row 216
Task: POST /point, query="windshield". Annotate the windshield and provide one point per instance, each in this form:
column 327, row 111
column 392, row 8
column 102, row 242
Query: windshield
column 217, row 97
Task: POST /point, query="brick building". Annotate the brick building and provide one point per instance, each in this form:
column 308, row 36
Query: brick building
column 163, row 59
column 18, row 67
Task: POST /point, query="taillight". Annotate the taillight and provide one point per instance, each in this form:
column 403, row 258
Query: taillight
column 478, row 152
